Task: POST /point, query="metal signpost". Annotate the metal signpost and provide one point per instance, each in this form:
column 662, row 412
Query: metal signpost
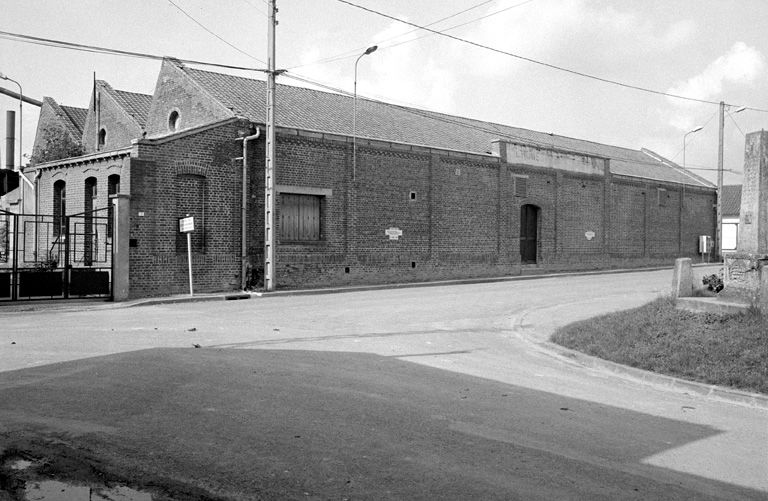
column 187, row 225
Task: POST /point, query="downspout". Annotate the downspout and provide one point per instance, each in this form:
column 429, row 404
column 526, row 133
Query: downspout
column 38, row 175
column 244, row 209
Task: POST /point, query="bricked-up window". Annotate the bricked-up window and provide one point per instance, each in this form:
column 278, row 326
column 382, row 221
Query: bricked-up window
column 191, row 194
column 59, row 206
column 521, row 186
column 663, row 196
column 300, row 217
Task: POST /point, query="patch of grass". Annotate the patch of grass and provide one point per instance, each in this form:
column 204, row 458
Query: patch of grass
column 727, row 350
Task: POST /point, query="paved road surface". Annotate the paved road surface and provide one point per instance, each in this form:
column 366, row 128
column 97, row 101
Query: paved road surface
column 441, row 389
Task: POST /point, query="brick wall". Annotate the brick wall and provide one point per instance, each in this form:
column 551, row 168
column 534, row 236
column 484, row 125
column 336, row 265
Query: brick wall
column 120, row 127
column 463, row 219
column 176, row 92
column 189, row 174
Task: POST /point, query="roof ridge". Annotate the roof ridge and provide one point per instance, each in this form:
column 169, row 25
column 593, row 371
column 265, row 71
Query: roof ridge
column 319, row 109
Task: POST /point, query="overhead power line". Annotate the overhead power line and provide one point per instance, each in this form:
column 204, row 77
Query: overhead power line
column 540, row 63
column 189, row 16
column 354, row 53
column 17, row 37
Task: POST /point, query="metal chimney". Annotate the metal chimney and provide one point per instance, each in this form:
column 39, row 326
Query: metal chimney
column 10, row 138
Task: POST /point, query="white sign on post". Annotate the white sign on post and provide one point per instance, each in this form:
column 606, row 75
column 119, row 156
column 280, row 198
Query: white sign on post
column 187, row 225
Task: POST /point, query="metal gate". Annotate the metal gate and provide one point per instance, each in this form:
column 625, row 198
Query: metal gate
column 47, row 257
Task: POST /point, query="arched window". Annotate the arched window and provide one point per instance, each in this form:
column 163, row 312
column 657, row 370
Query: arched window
column 89, row 204
column 102, row 138
column 191, row 194
column 113, row 188
column 113, row 184
column 59, row 206
column 173, row 121
column 89, row 197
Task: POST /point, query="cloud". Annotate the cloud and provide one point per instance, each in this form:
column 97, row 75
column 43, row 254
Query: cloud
column 741, row 65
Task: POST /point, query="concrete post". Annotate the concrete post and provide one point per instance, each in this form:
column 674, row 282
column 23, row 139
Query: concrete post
column 682, row 279
column 121, row 232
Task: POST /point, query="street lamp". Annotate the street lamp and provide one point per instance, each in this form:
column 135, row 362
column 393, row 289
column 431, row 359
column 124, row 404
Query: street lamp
column 697, row 129
column 720, row 158
column 369, row 50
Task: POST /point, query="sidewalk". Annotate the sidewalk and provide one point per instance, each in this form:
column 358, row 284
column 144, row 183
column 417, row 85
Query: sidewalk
column 100, row 303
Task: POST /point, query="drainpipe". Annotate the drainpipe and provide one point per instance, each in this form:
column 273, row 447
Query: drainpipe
column 38, row 174
column 244, row 209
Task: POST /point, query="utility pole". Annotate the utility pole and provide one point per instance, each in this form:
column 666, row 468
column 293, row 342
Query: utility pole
column 719, row 230
column 269, row 173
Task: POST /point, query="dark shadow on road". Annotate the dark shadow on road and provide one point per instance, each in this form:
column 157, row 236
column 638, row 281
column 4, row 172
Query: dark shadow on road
column 288, row 424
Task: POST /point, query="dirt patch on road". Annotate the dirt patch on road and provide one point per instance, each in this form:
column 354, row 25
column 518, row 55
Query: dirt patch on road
column 27, row 460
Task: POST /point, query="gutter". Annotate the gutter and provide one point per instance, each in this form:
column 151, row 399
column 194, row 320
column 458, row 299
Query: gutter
column 244, row 210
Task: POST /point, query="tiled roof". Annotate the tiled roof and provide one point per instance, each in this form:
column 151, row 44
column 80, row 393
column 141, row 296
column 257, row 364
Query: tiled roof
column 731, row 205
column 76, row 117
column 310, row 109
column 136, row 105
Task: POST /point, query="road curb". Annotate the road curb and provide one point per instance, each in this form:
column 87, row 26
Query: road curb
column 364, row 288
column 730, row 395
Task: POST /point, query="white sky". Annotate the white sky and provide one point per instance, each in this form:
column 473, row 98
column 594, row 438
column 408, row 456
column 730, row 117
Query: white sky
column 708, row 49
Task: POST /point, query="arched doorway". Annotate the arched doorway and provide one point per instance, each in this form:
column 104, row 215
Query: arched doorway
column 529, row 233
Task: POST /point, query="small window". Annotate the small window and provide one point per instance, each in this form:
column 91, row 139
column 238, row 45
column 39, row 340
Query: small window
column 663, row 196
column 300, row 217
column 113, row 184
column 59, row 207
column 102, row 137
column 89, row 196
column 173, row 121
column 521, row 186
column 413, row 195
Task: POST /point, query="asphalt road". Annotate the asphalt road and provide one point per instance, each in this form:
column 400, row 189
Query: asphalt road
column 425, row 393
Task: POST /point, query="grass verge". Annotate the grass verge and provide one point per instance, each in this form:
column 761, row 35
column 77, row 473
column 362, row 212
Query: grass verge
column 727, row 350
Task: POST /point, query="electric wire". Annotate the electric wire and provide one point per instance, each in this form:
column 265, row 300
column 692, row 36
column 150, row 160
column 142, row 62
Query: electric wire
column 17, row 37
column 188, row 15
column 353, row 53
column 730, row 115
column 540, row 63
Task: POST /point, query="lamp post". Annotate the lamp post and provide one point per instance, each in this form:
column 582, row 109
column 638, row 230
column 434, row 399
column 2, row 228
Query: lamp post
column 369, row 50
column 21, row 126
column 720, row 157
column 696, row 129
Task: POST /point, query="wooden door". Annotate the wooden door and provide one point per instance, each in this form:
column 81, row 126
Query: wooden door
column 529, row 226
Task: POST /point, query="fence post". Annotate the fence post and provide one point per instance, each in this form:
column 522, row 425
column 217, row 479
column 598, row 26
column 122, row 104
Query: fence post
column 15, row 258
column 67, row 261
column 121, row 234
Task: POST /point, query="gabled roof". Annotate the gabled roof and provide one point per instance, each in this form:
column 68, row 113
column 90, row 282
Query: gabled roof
column 135, row 104
column 76, row 116
column 310, row 109
column 731, row 205
column 73, row 119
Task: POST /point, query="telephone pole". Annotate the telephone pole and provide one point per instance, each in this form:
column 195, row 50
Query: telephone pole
column 269, row 173
column 719, row 229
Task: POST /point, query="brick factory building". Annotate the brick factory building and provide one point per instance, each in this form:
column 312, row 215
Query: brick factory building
column 428, row 196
